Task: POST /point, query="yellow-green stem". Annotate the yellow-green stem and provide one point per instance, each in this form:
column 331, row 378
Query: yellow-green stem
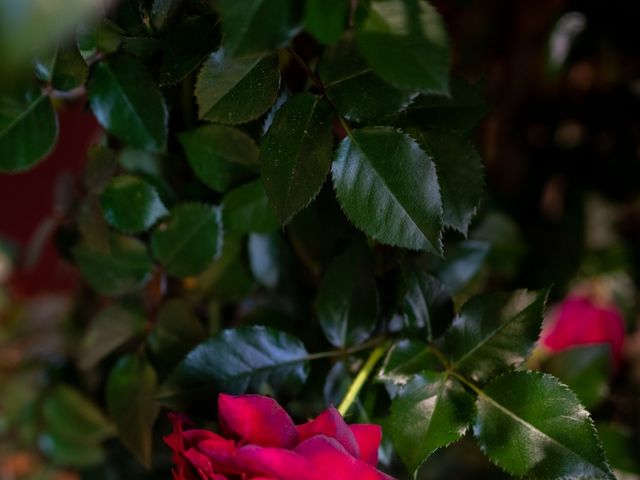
column 361, row 378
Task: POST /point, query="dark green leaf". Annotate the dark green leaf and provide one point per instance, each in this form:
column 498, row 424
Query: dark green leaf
column 460, row 174
column 220, row 156
column 122, row 268
column 186, row 47
column 236, row 90
column 494, row 332
column 336, row 384
column 388, row 188
column 461, row 110
column 406, row 43
column 358, row 93
column 347, row 304
column 131, row 387
column 326, row 19
column 70, row 70
column 430, row 412
column 28, row 129
column 102, row 38
column 71, row 416
column 586, row 370
column 252, row 358
column 175, row 332
column 427, row 304
column 296, row 154
column 619, row 446
column 162, row 11
column 530, row 424
column 127, row 102
column 131, row 204
column 246, row 209
column 100, row 166
column 257, row 26
column 405, row 359
column 78, row 454
column 463, row 263
column 108, row 330
column 264, row 258
column 189, row 240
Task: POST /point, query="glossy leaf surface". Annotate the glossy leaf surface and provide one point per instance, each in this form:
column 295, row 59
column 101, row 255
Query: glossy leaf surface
column 189, row 240
column 28, row 129
column 494, row 332
column 131, row 205
column 236, row 90
column 296, row 154
column 272, row 361
column 388, row 188
column 530, row 424
column 127, row 102
column 431, row 411
column 406, row 43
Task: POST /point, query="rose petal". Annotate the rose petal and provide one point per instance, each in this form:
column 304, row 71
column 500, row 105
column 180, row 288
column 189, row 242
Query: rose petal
column 220, row 454
column 275, row 462
column 201, row 463
column 331, row 424
column 331, row 460
column 368, row 438
column 258, row 420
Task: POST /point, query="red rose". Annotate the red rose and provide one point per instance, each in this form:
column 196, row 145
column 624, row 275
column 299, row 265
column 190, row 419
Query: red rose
column 261, row 442
column 580, row 320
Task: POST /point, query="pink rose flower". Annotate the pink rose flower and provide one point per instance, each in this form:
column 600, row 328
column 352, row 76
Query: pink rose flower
column 580, row 320
column 261, row 442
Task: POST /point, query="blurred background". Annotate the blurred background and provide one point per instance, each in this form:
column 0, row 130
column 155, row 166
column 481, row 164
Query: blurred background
column 560, row 138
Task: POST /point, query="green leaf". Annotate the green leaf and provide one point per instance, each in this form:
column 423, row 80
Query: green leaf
column 296, row 154
column 430, row 412
column 189, row 240
column 72, row 417
column 358, row 93
column 406, row 43
column 461, row 110
column 131, row 204
column 162, row 11
column 28, row 129
column 76, row 454
column 111, row 328
column 586, row 370
column 187, row 46
column 127, row 102
column 246, row 209
column 460, row 173
column 122, row 268
column 131, row 387
column 464, row 261
column 619, row 446
column 254, row 358
column 388, row 188
column 347, row 304
column 221, row 157
column 70, row 71
column 257, row 26
column 530, row 424
column 427, row 304
column 406, row 358
column 494, row 332
column 175, row 332
column 264, row 258
column 326, row 19
column 236, row 90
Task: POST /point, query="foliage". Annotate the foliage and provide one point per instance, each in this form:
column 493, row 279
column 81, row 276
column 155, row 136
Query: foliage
column 284, row 192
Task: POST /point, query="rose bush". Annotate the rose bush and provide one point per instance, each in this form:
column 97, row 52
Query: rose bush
column 261, row 442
